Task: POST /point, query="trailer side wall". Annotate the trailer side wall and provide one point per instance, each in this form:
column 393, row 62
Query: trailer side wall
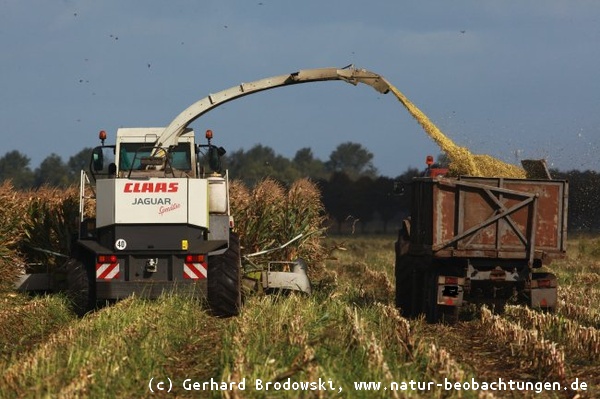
column 489, row 218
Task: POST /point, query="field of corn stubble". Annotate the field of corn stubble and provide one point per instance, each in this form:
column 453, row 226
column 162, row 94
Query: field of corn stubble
column 347, row 332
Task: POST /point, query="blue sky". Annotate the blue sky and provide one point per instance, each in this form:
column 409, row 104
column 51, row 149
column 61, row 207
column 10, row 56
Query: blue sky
column 513, row 79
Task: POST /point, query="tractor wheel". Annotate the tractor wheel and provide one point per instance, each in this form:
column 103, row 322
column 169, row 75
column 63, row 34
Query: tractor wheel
column 224, row 280
column 79, row 287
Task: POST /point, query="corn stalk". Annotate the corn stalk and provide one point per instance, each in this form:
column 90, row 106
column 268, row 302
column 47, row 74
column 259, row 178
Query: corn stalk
column 577, row 338
column 269, row 215
column 535, row 352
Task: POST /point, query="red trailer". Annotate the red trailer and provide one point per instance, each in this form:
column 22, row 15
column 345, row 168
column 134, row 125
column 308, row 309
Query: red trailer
column 480, row 240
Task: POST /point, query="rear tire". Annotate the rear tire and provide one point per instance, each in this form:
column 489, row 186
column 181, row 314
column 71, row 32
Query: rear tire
column 79, row 287
column 224, row 280
column 404, row 273
column 405, row 287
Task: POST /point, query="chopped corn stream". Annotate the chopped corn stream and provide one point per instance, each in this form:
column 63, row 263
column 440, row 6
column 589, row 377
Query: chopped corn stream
column 462, row 161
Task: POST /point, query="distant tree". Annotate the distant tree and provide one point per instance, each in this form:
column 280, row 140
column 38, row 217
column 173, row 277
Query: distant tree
column 53, row 172
column 14, row 166
column 408, row 175
column 386, row 201
column 337, row 198
column 78, row 162
column 307, row 165
column 352, row 159
column 259, row 162
column 362, row 201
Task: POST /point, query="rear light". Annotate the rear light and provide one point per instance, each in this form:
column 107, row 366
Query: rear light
column 107, row 259
column 451, row 280
column 544, row 283
column 107, row 267
column 195, row 267
column 194, row 258
column 450, row 290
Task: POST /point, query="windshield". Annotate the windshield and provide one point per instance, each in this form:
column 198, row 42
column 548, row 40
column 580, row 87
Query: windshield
column 130, row 155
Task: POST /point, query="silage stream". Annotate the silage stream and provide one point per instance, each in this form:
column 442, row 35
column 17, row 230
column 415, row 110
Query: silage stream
column 462, row 160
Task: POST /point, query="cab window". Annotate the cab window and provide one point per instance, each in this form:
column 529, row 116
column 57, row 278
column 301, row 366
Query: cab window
column 130, row 155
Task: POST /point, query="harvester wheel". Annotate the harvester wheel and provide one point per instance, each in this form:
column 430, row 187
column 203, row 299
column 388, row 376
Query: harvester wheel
column 224, row 280
column 79, row 289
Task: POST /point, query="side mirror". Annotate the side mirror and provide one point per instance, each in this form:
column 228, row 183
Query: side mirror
column 399, row 187
column 102, row 162
column 98, row 159
column 214, row 157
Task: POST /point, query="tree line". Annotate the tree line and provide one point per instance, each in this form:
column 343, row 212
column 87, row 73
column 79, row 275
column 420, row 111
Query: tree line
column 249, row 166
column 353, row 191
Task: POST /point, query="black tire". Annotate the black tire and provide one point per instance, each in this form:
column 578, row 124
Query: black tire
column 447, row 314
column 404, row 273
column 405, row 289
column 224, row 280
column 79, row 287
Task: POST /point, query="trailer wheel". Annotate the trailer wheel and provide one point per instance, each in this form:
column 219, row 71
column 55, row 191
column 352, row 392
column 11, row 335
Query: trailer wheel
column 79, row 287
column 447, row 314
column 224, row 280
column 402, row 289
column 404, row 273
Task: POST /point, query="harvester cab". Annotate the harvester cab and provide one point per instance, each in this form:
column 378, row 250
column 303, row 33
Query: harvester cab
column 136, row 154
